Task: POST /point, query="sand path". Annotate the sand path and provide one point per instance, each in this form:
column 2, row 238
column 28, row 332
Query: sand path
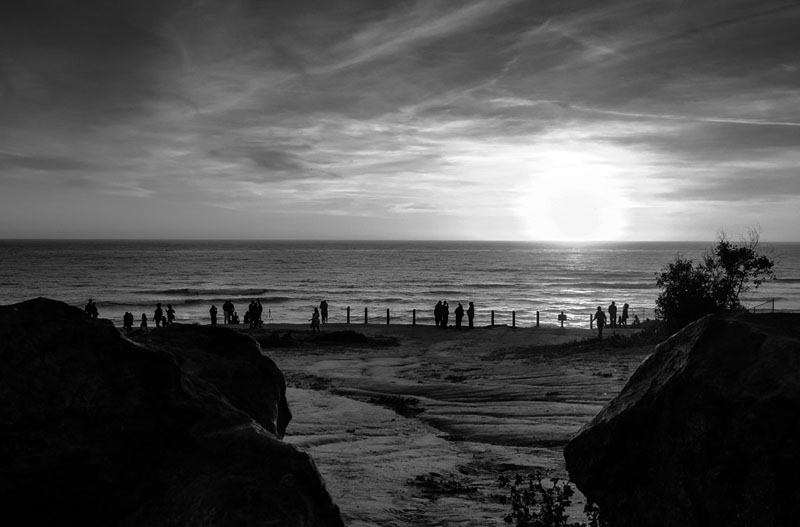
column 474, row 404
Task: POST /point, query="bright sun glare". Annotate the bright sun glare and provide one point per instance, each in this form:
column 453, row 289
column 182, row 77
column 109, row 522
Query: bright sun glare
column 575, row 201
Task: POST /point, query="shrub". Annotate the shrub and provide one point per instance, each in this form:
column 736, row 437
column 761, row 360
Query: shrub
column 689, row 291
column 536, row 504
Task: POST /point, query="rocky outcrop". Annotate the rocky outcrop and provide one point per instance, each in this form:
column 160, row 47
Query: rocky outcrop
column 705, row 433
column 179, row 427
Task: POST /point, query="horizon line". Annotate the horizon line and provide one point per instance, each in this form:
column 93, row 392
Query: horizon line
column 366, row 240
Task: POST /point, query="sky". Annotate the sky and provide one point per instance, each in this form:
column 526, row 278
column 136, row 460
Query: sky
column 400, row 119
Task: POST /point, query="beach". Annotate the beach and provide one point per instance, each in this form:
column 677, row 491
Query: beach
column 413, row 425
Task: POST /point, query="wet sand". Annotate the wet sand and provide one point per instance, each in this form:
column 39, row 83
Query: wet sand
column 414, row 426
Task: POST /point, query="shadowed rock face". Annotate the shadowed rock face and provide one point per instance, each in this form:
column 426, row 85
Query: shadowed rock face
column 179, row 428
column 705, row 433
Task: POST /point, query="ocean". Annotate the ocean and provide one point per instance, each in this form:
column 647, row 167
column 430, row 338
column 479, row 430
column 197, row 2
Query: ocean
column 292, row 277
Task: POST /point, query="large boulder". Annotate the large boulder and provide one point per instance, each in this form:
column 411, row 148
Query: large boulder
column 180, row 428
column 705, row 433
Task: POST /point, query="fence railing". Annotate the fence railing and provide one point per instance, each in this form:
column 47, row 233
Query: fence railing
column 768, row 305
column 514, row 318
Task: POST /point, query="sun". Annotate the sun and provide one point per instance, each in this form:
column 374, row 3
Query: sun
column 574, row 202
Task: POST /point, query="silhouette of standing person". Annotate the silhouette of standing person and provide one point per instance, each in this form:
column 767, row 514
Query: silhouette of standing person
column 612, row 314
column 445, row 313
column 252, row 314
column 623, row 319
column 170, row 314
column 315, row 320
column 227, row 311
column 437, row 314
column 600, row 317
column 158, row 315
column 459, row 315
column 213, row 313
column 323, row 308
column 470, row 313
column 88, row 309
column 143, row 325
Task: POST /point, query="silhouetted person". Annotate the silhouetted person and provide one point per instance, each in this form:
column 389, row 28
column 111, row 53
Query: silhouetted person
column 251, row 316
column 437, row 314
column 445, row 313
column 623, row 320
column 143, row 325
column 234, row 318
column 323, row 309
column 636, row 322
column 459, row 315
column 612, row 314
column 158, row 315
column 259, row 312
column 227, row 311
column 170, row 314
column 127, row 321
column 600, row 317
column 315, row 320
column 213, row 313
column 471, row 313
column 88, row 308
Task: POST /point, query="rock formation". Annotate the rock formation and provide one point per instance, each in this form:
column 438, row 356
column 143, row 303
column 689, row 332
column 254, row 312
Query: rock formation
column 180, row 427
column 705, row 433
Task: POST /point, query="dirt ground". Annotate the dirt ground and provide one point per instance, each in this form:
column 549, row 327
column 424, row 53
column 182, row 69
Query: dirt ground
column 412, row 425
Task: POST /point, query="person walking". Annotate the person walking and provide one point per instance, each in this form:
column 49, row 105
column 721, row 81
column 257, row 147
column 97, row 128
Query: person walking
column 170, row 315
column 624, row 318
column 600, row 317
column 315, row 320
column 158, row 315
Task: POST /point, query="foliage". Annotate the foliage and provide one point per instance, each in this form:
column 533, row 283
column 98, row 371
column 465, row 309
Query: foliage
column 690, row 291
column 536, row 504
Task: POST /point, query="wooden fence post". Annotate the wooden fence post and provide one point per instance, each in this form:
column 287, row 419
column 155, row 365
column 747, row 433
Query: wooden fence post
column 387, row 316
column 492, row 317
column 513, row 319
column 348, row 314
column 366, row 317
column 413, row 317
column 537, row 319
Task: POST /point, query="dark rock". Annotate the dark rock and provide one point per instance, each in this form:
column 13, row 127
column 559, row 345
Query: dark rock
column 230, row 364
column 96, row 429
column 705, row 433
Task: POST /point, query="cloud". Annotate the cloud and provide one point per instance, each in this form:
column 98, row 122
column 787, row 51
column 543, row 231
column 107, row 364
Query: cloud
column 398, row 109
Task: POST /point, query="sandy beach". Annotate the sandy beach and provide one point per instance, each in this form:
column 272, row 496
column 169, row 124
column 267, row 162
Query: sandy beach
column 413, row 425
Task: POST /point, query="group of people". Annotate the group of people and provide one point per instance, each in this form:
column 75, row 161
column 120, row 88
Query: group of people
column 441, row 314
column 612, row 320
column 161, row 318
column 253, row 317
column 91, row 309
column 319, row 316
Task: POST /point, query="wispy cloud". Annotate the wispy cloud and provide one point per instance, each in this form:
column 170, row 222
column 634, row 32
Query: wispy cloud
column 400, row 112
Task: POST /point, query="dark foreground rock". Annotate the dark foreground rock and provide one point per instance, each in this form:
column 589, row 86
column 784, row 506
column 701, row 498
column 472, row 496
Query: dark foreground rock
column 705, row 433
column 179, row 428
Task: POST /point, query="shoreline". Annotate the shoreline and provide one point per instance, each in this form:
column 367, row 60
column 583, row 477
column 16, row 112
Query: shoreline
column 414, row 425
